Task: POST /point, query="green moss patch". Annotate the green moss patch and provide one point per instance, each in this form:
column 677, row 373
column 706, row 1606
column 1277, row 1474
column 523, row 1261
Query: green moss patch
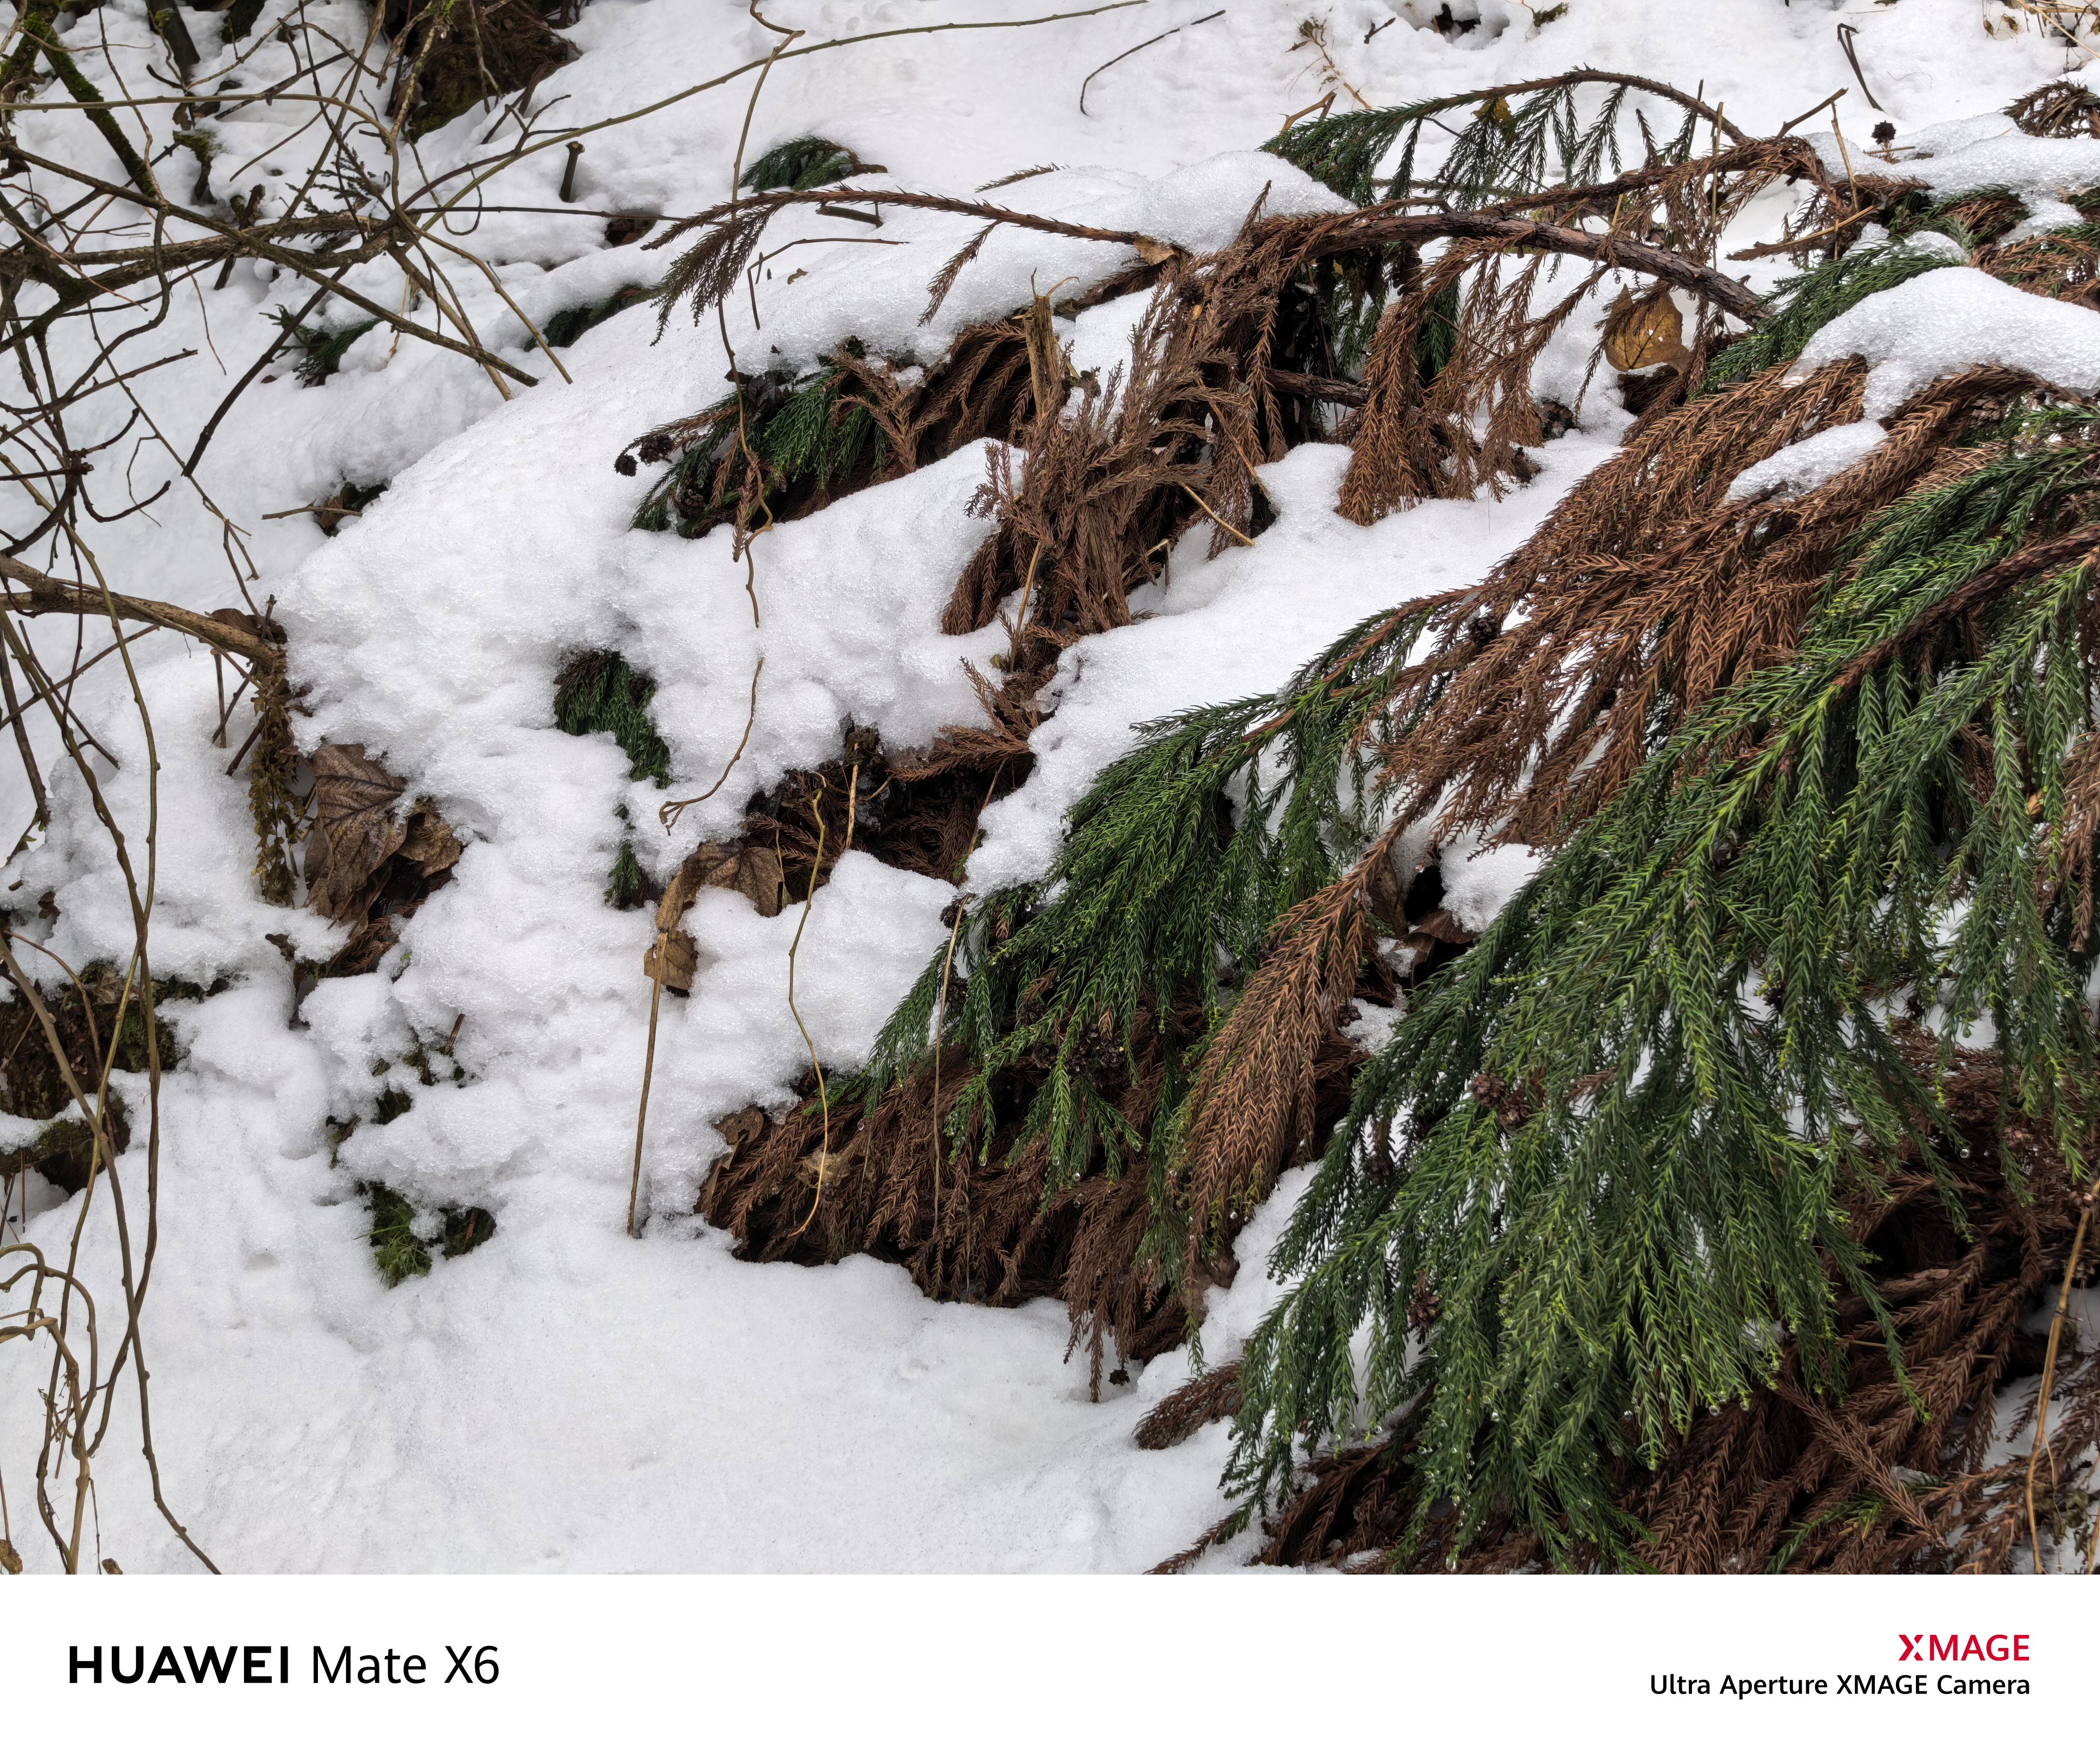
column 400, row 1252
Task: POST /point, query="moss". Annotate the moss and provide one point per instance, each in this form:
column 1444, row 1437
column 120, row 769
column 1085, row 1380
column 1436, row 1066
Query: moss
column 465, row 1230
column 600, row 691
column 421, row 1060
column 35, row 1087
column 431, row 1063
column 64, row 1154
column 399, row 1253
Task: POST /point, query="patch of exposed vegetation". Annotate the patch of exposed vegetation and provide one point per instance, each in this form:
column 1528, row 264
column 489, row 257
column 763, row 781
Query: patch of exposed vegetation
column 573, row 321
column 402, row 1239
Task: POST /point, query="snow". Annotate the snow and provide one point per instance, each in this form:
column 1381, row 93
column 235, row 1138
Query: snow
column 1798, row 468
column 1200, row 207
column 1948, row 321
column 1974, row 154
column 17, row 1132
column 565, row 1397
column 1478, row 881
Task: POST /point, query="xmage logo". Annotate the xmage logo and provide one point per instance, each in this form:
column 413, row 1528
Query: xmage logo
column 1963, row 1648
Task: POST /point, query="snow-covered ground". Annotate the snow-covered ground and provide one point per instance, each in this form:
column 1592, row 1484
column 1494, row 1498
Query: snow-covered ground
column 566, row 1398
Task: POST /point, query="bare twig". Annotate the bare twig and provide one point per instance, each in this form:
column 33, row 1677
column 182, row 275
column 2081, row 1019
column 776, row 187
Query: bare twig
column 1148, row 42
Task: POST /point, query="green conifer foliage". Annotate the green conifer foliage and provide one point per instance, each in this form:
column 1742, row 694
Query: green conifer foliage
column 601, row 691
column 626, row 887
column 1609, row 1143
column 400, row 1252
column 397, row 1251
column 321, row 351
column 1519, row 140
column 1506, row 149
column 808, row 163
column 805, row 434
column 571, row 324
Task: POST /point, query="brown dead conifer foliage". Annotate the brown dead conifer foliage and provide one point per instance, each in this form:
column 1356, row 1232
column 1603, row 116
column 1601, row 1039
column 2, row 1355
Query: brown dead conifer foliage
column 915, row 809
column 1227, row 373
column 1648, row 592
column 975, row 1225
column 2053, row 264
column 272, row 802
column 1229, row 368
column 1256, row 1102
column 1464, row 430
column 2080, row 831
column 1215, row 1396
column 2060, row 110
column 1987, row 214
column 973, row 395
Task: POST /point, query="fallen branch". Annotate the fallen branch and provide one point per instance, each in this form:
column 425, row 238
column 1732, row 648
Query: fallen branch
column 1376, row 226
column 56, row 596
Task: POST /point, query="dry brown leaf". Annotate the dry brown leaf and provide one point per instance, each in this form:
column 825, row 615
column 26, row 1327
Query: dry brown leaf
column 240, row 618
column 354, row 834
column 1388, row 895
column 353, row 877
column 1645, row 332
column 430, row 841
column 1442, row 925
column 680, row 960
column 744, row 1128
column 753, row 872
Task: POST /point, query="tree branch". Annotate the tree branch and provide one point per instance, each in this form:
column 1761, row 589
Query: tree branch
column 57, row 597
